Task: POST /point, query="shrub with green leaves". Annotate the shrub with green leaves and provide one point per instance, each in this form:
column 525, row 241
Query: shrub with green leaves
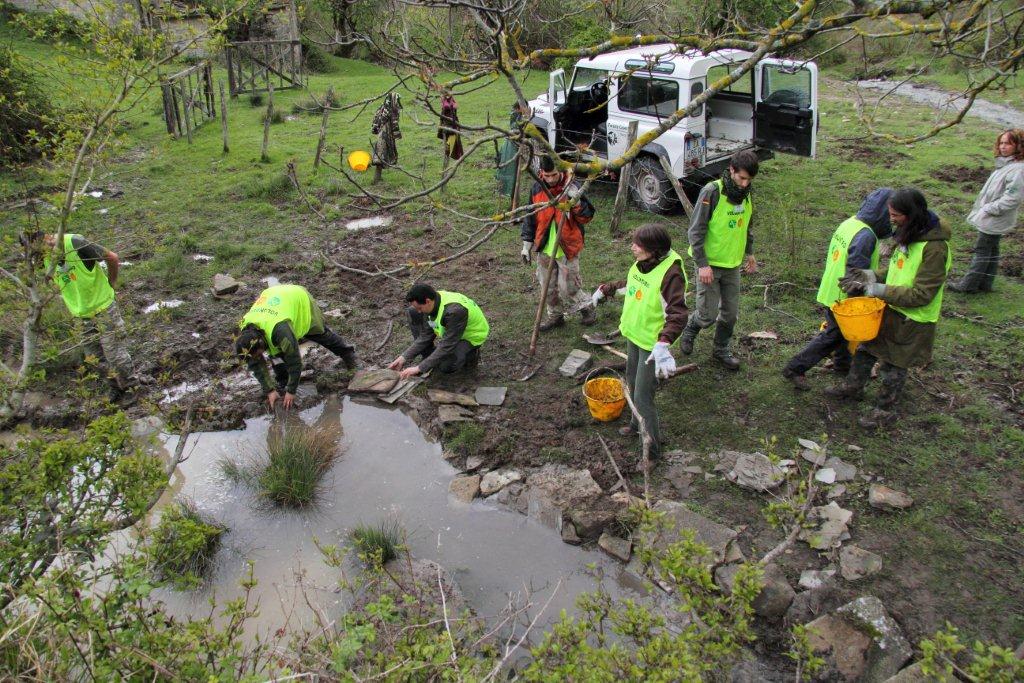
column 183, row 544
column 316, row 105
column 315, row 59
column 27, row 118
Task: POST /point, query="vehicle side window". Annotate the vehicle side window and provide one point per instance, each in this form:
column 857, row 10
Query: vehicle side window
column 786, row 86
column 695, row 90
column 743, row 86
column 651, row 96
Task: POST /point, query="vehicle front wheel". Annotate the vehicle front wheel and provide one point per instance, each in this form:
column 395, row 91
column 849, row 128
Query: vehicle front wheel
column 650, row 187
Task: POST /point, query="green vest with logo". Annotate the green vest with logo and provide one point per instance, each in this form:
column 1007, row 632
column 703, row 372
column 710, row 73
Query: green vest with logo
column 476, row 325
column 552, row 247
column 85, row 292
column 835, row 262
column 277, row 304
column 902, row 273
column 726, row 240
column 643, row 313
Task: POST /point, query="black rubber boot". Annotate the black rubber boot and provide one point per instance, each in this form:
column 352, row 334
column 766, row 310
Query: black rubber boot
column 721, row 353
column 687, row 338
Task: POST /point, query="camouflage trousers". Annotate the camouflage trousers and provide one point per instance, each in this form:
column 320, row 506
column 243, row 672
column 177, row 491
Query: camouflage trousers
column 105, row 339
column 893, row 378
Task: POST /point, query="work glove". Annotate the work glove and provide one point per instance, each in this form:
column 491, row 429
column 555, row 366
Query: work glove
column 863, row 275
column 596, row 297
column 851, row 286
column 664, row 363
column 527, row 252
column 572, row 191
column 876, row 289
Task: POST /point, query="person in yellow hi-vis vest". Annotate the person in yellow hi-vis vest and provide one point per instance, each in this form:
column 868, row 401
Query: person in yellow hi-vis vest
column 88, row 293
column 282, row 317
column 653, row 316
column 854, row 244
column 447, row 328
column 720, row 243
column 911, row 285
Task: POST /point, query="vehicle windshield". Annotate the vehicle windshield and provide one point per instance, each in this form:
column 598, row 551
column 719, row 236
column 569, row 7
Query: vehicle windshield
column 584, row 78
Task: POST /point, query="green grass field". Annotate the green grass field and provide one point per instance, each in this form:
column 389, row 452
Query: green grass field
column 959, row 449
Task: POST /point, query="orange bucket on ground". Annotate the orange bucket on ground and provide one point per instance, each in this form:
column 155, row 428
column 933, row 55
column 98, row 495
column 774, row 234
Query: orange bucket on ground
column 859, row 317
column 605, row 397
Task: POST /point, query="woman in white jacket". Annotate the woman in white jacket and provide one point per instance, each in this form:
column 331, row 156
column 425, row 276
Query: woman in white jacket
column 994, row 213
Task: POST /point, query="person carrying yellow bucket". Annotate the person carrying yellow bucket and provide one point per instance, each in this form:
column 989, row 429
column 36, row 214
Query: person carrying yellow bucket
column 653, row 316
column 854, row 244
column 914, row 280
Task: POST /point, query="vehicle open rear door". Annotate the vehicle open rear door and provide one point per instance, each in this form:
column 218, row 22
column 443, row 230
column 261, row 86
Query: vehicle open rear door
column 556, row 98
column 786, row 106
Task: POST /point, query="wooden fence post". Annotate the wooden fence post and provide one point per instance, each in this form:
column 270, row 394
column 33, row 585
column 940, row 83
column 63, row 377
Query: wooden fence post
column 231, row 71
column 623, row 192
column 266, row 122
column 223, row 116
column 328, row 98
column 188, row 111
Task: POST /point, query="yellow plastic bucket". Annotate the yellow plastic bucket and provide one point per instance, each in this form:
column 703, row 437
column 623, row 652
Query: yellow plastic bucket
column 859, row 317
column 605, row 397
column 359, row 160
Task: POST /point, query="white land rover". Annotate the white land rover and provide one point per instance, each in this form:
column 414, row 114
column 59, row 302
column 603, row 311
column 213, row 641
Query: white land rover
column 773, row 107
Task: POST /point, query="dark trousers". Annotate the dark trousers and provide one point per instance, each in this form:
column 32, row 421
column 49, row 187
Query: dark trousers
column 465, row 355
column 829, row 341
column 329, row 339
column 641, row 382
column 982, row 271
column 893, row 378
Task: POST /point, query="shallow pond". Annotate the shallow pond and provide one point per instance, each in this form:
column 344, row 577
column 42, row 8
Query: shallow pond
column 388, row 470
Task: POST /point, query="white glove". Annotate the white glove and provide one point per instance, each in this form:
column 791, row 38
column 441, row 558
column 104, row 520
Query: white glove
column 572, row 191
column 664, row 363
column 596, row 297
column 527, row 252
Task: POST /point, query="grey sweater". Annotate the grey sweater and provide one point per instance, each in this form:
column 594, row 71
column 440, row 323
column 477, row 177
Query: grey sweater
column 996, row 208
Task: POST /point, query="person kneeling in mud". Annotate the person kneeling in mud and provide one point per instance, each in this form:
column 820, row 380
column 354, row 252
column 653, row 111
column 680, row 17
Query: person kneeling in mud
column 282, row 317
column 447, row 328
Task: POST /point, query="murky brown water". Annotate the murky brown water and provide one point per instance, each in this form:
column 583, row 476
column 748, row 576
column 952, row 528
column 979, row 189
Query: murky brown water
column 388, row 470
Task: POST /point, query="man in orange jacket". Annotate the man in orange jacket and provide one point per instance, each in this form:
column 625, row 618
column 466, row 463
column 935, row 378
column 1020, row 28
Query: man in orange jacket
column 556, row 234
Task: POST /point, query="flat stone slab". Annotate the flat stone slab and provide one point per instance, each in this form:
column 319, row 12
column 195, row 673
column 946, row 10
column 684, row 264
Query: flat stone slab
column 830, row 527
column 889, row 649
column 576, row 362
column 465, row 489
column 719, row 538
column 448, row 413
column 554, row 490
column 755, row 471
column 856, row 563
column 885, row 498
column 815, row 578
column 619, row 548
column 225, row 284
column 374, row 381
column 776, row 593
column 441, row 396
column 495, row 480
column 826, row 475
column 490, row 396
column 473, row 462
column 844, row 470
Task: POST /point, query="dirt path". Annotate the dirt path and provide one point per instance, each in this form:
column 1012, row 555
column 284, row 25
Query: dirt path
column 949, row 103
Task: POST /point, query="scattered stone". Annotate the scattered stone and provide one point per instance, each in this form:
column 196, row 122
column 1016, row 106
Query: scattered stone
column 372, row 222
column 448, row 413
column 577, row 361
column 693, row 469
column 774, row 598
column 912, row 674
column 889, row 649
column 826, row 475
column 570, row 536
column 831, row 529
column 856, row 563
column 836, row 492
column 885, row 498
column 224, row 284
column 511, row 496
column 441, row 396
column 755, row 471
column 465, row 489
column 720, row 539
column 726, row 460
column 811, row 604
column 490, row 396
column 554, row 489
column 473, row 462
column 845, row 646
column 815, row 578
column 334, row 313
column 306, row 391
column 680, row 479
column 171, row 303
column 844, row 470
column 145, row 427
column 763, row 334
column 374, row 381
column 808, row 444
column 495, row 480
column 619, row 548
column 815, row 457
column 590, row 523
column 855, row 449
